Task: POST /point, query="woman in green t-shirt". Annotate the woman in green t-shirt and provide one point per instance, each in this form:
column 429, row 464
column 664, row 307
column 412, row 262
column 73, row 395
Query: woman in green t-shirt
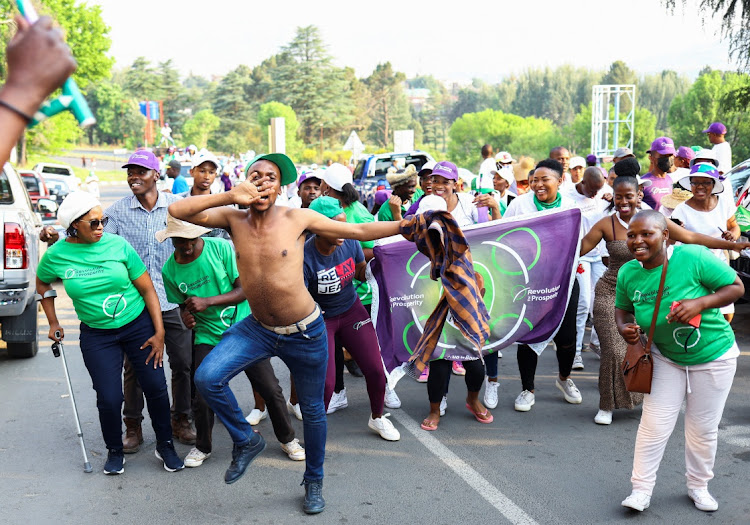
column 119, row 310
column 692, row 364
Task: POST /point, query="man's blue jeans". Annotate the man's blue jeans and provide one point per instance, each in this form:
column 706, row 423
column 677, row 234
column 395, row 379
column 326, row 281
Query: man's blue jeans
column 247, row 343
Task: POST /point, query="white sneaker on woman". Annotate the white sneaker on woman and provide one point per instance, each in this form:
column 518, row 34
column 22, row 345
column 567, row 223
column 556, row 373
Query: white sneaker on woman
column 525, row 401
column 603, row 417
column 338, row 401
column 391, row 398
column 570, row 391
column 637, row 501
column 294, row 450
column 256, row 416
column 490, row 393
column 384, row 427
column 294, row 410
column 703, row 500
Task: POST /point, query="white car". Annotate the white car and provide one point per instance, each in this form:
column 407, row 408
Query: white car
column 62, row 170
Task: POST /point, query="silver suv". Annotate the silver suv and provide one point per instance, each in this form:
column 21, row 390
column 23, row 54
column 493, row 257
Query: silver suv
column 19, row 246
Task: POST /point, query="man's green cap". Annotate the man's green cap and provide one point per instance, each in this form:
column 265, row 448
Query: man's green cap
column 327, row 206
column 284, row 163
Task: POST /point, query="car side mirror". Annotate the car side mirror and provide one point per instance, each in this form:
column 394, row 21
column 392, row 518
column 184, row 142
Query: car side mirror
column 46, row 206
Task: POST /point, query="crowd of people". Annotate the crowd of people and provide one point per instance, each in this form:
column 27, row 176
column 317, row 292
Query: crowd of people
column 225, row 280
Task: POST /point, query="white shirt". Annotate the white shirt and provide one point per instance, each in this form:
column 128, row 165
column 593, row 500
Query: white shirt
column 592, row 209
column 465, row 212
column 706, row 222
column 524, row 205
column 723, row 153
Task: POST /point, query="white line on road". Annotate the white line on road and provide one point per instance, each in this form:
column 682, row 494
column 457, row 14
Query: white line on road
column 474, row 479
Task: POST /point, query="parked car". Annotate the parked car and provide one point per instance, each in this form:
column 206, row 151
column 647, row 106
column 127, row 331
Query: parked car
column 46, row 168
column 35, row 185
column 58, row 187
column 369, row 175
column 20, row 247
column 739, row 176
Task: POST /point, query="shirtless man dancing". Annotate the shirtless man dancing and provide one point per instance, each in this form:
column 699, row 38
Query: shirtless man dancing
column 285, row 321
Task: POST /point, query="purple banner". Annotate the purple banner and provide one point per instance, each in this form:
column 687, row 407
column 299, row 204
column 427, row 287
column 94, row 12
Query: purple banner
column 528, row 265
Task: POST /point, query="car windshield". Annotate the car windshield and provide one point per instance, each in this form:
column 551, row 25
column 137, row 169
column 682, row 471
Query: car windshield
column 739, row 175
column 32, row 185
column 6, row 197
column 56, row 171
column 57, row 186
column 382, row 165
column 185, row 170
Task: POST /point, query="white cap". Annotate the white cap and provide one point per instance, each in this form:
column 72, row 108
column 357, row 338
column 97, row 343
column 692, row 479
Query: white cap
column 503, row 157
column 205, row 156
column 708, row 154
column 577, row 162
column 337, row 175
column 77, row 203
column 506, row 172
column 432, row 203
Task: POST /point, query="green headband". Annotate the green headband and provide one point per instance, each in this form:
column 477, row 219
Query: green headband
column 327, row 206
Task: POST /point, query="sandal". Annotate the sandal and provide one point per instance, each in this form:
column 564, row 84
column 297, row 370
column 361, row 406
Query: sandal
column 480, row 417
column 430, row 425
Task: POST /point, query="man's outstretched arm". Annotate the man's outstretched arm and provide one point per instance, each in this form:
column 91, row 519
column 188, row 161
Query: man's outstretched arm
column 321, row 225
column 211, row 211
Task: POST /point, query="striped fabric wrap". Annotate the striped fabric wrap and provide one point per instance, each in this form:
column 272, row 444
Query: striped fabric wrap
column 438, row 236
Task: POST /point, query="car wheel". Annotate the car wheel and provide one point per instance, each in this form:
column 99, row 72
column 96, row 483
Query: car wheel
column 23, row 350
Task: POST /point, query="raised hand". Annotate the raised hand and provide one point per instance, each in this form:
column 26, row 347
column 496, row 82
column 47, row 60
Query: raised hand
column 250, row 191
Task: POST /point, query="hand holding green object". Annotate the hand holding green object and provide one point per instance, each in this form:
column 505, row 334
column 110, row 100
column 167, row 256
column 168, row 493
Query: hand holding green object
column 71, row 97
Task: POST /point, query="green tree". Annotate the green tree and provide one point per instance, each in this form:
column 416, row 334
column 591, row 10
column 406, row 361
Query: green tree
column 171, row 94
column 141, row 80
column 389, row 108
column 306, row 80
column 271, row 110
column 656, row 92
column 199, row 128
column 117, row 116
column 690, row 113
column 231, row 105
column 520, row 136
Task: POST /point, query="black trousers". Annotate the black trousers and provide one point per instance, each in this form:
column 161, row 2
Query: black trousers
column 440, row 371
column 565, row 340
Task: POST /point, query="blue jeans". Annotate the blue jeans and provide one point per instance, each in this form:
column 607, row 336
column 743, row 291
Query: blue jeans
column 247, row 343
column 490, row 363
column 103, row 351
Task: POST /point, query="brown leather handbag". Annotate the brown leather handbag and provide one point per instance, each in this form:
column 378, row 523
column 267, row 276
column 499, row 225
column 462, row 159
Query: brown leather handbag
column 638, row 365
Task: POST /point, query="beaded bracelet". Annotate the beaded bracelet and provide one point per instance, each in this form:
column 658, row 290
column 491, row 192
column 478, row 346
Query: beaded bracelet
column 15, row 110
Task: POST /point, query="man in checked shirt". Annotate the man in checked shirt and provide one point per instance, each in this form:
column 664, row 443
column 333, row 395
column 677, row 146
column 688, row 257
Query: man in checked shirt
column 137, row 218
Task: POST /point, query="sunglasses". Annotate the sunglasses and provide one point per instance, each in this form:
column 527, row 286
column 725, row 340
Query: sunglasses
column 96, row 222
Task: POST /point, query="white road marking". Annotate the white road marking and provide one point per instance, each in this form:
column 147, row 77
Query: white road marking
column 474, row 479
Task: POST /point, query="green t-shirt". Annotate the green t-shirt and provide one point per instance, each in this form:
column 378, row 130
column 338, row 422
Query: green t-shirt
column 212, row 273
column 417, row 195
column 98, row 278
column 385, row 213
column 356, row 213
column 693, row 272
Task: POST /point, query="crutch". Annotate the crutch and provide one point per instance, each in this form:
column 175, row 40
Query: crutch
column 59, row 351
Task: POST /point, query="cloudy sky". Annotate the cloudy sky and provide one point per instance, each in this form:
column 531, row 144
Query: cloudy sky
column 452, row 41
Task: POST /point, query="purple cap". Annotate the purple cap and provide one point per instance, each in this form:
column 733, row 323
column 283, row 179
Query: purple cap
column 662, row 146
column 591, row 159
column 306, row 176
column 685, row 153
column 716, row 127
column 445, row 169
column 381, row 196
column 144, row 159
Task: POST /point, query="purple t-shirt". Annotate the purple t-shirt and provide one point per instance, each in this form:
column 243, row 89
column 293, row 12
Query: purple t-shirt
column 659, row 188
column 329, row 277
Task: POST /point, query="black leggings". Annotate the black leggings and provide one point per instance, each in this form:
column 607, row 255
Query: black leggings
column 440, row 372
column 565, row 340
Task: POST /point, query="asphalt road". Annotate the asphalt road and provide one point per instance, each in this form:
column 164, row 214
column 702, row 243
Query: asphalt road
column 552, row 465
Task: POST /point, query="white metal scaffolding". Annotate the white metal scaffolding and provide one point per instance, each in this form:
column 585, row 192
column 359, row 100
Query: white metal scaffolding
column 612, row 118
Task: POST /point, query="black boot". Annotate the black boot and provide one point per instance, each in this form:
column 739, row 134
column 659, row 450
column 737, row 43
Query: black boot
column 314, row 502
column 242, row 457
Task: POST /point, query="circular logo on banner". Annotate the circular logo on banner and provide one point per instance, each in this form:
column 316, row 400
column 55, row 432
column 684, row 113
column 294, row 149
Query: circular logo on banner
column 114, row 305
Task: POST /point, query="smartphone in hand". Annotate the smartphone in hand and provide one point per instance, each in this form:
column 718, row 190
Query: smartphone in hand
column 695, row 322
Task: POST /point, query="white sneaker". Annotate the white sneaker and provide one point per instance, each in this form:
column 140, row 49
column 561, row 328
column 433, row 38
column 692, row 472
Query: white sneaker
column 578, row 362
column 338, row 401
column 391, row 398
column 499, row 354
column 569, row 390
column 443, row 405
column 294, row 450
column 294, row 410
column 603, row 417
column 703, row 500
column 256, row 416
column 384, row 427
column 525, row 401
column 195, row 458
column 490, row 393
column 637, row 501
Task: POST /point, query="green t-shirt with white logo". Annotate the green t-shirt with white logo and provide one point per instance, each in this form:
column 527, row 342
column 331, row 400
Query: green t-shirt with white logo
column 693, row 272
column 98, row 277
column 212, row 273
